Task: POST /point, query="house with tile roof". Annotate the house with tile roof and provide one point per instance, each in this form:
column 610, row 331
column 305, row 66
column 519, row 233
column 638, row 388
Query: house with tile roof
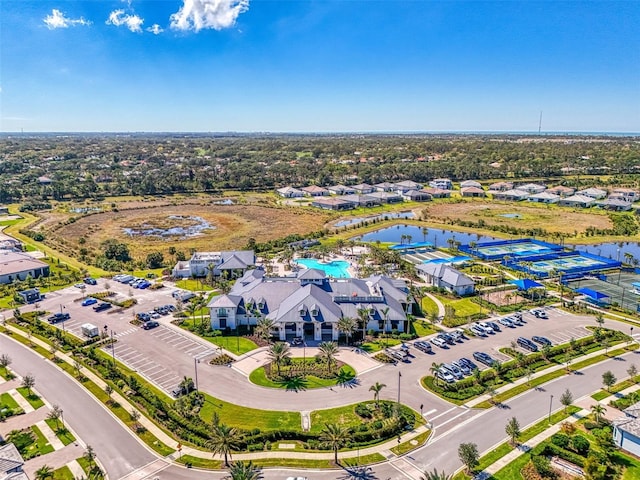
column 626, row 430
column 311, row 304
column 445, row 276
column 11, row 463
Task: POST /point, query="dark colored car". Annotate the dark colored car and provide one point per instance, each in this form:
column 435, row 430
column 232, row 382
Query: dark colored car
column 469, row 364
column 150, row 324
column 447, row 338
column 494, row 325
column 58, row 317
column 484, row 358
column 541, row 340
column 102, row 306
column 527, row 344
column 90, row 281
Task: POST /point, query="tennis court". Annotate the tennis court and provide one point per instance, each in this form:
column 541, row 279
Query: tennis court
column 567, row 262
column 424, row 256
column 510, row 248
column 621, row 294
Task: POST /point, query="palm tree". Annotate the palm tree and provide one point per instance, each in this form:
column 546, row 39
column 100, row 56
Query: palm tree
column 346, row 326
column 223, row 440
column 244, row 471
column 598, row 410
column 44, row 472
column 328, row 352
column 435, row 367
column 334, row 436
column 278, row 353
column 375, row 388
column 435, row 475
column 264, row 328
column 364, row 316
column 186, row 384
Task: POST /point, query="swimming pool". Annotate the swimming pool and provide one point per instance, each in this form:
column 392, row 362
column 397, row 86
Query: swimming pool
column 336, row 268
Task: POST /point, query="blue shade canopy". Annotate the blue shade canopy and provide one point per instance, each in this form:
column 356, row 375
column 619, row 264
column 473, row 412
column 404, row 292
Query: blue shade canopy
column 592, row 293
column 407, row 246
column 526, row 284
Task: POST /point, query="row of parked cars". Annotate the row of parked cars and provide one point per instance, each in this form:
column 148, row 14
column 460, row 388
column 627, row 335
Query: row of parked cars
column 456, row 370
column 135, row 282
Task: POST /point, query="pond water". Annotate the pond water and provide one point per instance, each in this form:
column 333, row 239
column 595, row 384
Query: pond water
column 195, row 230
column 613, row 250
column 357, row 220
column 436, row 236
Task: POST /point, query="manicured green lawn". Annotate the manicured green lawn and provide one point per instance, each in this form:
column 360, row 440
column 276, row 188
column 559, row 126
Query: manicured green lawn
column 40, row 447
column 6, row 374
column 249, row 418
column 259, row 377
column 511, row 471
column 193, row 285
column 380, row 344
column 463, row 307
column 65, row 436
column 235, row 345
column 35, row 401
column 84, row 463
column 423, row 328
column 63, row 473
column 412, row 444
column 429, row 307
column 198, row 462
column 7, row 401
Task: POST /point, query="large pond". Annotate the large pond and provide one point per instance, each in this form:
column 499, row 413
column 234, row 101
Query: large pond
column 382, row 216
column 196, row 226
column 436, row 236
column 614, row 250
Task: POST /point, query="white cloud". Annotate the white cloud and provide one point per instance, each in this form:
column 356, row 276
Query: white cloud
column 155, row 29
column 132, row 22
column 198, row 14
column 57, row 19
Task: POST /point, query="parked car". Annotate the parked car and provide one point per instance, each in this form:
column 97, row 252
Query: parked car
column 477, row 330
column 447, row 338
column 445, row 375
column 423, row 346
column 439, row 342
column 90, row 281
column 150, row 324
column 455, row 371
column 487, row 329
column 102, row 306
column 484, row 358
column 81, row 286
column 88, row 301
column 145, row 317
column 297, row 341
column 457, row 335
column 506, row 321
column 527, row 344
column 539, row 313
column 462, row 367
column 468, row 363
column 541, row 340
column 516, row 320
column 58, row 317
column 494, row 325
column 517, row 315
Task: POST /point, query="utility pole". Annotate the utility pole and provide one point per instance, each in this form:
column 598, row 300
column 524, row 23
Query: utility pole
column 113, row 350
column 195, row 365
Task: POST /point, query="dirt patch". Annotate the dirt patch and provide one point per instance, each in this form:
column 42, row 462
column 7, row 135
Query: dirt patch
column 502, row 298
column 233, row 225
column 548, row 217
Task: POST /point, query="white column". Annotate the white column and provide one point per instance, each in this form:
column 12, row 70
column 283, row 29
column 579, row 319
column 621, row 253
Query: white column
column 317, row 332
column 282, row 333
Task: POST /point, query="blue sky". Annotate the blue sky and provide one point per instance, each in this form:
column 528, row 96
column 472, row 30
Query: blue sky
column 348, row 65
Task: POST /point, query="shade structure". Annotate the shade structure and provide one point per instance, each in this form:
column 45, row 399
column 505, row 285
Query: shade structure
column 526, row 284
column 592, row 293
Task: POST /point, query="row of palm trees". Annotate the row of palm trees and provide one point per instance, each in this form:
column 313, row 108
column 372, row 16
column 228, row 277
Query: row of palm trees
column 280, row 353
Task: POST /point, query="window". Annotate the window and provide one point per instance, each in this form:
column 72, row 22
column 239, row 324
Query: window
column 222, row 312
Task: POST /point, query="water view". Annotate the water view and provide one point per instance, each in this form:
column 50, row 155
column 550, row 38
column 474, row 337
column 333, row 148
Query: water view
column 382, row 216
column 147, row 230
column 436, row 236
column 613, row 250
column 335, row 269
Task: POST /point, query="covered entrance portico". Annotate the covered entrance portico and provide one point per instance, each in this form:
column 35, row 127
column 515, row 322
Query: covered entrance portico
column 309, row 331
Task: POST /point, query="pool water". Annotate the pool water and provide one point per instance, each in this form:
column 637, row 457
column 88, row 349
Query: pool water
column 336, row 268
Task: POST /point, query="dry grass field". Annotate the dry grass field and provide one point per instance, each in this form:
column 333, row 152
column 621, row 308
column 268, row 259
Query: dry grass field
column 233, row 225
column 551, row 218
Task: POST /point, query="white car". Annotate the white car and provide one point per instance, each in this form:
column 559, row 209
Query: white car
column 439, row 342
column 486, row 327
column 296, row 478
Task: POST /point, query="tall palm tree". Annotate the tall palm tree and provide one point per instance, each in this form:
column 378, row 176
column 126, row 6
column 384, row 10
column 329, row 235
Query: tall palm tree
column 346, row 326
column 375, row 388
column 597, row 411
column 264, row 328
column 435, row 475
column 278, row 353
column 44, row 472
column 245, row 471
column 334, row 436
column 327, row 353
column 364, row 316
column 434, row 371
column 223, row 440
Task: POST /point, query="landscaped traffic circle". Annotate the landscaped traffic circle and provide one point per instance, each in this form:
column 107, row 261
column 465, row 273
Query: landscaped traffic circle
column 303, row 374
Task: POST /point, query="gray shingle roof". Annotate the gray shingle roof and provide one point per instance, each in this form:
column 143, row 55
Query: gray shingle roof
column 10, row 458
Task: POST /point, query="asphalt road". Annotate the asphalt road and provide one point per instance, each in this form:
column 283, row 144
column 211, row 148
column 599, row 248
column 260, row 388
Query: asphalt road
column 117, row 449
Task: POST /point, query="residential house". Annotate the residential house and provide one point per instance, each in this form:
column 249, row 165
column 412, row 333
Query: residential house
column 385, row 187
column 562, row 191
column 581, row 201
column 416, row 196
column 471, row 192
column 11, row 463
column 595, row 193
column 444, row 276
column 333, row 203
column 615, row 204
column 501, row 186
column 229, row 263
column 532, row 188
column 363, row 188
column 441, row 183
column 18, row 266
column 341, row 190
column 386, row 197
column 627, row 194
column 31, row 295
column 437, row 192
column 626, row 430
column 44, row 180
column 406, row 185
column 544, row 197
column 315, row 191
column 514, row 195
column 290, row 192
column 470, row 183
column 310, row 305
column 362, row 200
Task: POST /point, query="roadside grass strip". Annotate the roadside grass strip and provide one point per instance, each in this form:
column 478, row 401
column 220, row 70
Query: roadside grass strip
column 412, row 444
column 41, row 446
column 506, row 447
column 346, row 373
column 63, row 473
column 91, row 469
column 34, row 400
column 65, row 436
column 618, row 387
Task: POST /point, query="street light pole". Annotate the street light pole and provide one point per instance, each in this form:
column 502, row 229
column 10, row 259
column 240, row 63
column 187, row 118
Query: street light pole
column 113, row 349
column 630, row 337
column 195, row 365
column 550, row 403
column 399, row 377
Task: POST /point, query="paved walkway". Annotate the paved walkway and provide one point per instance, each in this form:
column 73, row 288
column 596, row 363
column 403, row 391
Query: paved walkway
column 438, row 303
column 20, row 400
column 76, row 469
column 55, row 460
column 19, row 422
column 50, row 435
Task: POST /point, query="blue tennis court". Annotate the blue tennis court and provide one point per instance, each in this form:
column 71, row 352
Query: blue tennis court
column 510, row 248
column 567, row 262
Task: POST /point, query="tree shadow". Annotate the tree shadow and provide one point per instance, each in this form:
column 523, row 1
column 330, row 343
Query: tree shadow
column 294, row 384
column 346, row 379
column 358, row 473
